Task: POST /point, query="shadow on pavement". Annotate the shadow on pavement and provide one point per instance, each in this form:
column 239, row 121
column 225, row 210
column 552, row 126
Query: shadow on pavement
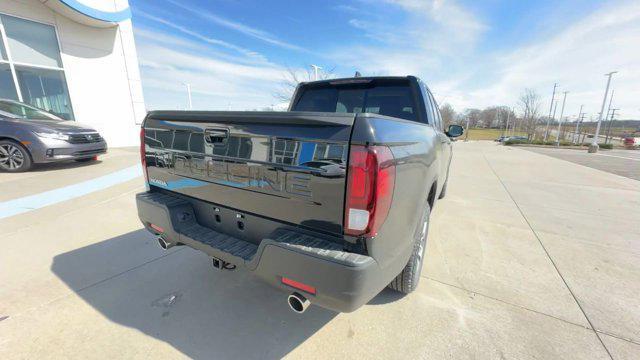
column 386, row 296
column 177, row 297
column 63, row 165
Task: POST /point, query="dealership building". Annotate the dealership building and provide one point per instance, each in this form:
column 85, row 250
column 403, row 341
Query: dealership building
column 76, row 59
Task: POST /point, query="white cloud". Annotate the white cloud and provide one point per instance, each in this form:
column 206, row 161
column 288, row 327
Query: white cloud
column 442, row 42
column 439, row 41
column 434, row 35
column 218, row 81
column 242, row 28
column 577, row 58
column 459, row 24
column 207, row 39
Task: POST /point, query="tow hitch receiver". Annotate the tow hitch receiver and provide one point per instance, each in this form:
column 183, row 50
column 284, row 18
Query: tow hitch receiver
column 220, row 264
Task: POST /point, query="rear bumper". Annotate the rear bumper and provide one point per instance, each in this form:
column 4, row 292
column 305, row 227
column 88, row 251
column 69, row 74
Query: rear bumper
column 344, row 281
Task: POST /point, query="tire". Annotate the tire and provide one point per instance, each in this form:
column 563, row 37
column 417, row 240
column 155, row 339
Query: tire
column 407, row 281
column 14, row 157
column 443, row 193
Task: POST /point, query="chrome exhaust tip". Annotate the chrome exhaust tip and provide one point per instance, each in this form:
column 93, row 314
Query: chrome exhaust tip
column 164, row 244
column 298, row 303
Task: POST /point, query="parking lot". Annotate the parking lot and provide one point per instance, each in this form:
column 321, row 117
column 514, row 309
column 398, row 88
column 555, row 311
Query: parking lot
column 621, row 162
column 528, row 256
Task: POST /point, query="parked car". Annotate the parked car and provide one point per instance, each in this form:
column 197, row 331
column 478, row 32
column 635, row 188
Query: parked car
column 29, row 135
column 501, row 138
column 245, row 187
column 515, row 138
column 631, row 141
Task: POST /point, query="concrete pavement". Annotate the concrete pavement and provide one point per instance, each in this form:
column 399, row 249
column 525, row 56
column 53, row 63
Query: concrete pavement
column 528, row 257
column 621, row 162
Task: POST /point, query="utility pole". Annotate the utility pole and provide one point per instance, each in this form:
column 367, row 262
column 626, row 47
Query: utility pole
column 610, row 101
column 553, row 98
column 506, row 126
column 613, row 113
column 593, row 148
column 553, row 117
column 578, row 121
column 581, row 121
column 466, row 136
column 315, row 71
column 606, row 139
column 189, row 94
column 515, row 121
column 564, row 99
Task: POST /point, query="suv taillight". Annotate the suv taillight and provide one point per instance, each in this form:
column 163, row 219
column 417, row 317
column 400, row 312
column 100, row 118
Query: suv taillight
column 370, row 183
column 143, row 156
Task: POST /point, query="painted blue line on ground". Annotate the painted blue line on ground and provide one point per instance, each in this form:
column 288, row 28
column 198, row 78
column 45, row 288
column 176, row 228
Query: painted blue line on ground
column 37, row 201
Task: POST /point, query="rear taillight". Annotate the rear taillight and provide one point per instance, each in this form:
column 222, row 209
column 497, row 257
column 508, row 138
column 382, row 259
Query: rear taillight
column 143, row 156
column 370, row 182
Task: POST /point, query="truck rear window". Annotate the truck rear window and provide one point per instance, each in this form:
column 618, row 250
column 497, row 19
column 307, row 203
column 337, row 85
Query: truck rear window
column 396, row 100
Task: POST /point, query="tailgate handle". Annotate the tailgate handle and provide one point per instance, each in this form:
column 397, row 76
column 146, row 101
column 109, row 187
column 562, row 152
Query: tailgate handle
column 217, row 137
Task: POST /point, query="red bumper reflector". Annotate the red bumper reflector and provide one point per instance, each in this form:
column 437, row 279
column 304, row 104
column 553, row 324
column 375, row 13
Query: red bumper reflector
column 156, row 228
column 298, row 285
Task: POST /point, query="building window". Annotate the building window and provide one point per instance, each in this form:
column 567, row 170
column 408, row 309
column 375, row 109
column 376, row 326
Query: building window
column 30, row 66
column 3, row 52
column 7, row 88
column 285, row 152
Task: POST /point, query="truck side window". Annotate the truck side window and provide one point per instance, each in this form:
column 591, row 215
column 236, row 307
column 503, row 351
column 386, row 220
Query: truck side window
column 428, row 104
column 436, row 112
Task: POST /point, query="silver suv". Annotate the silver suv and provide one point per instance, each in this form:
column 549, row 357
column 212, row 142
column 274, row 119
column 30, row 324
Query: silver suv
column 29, row 135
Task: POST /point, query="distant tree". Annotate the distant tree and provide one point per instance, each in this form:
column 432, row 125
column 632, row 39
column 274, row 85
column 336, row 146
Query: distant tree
column 489, row 117
column 293, row 77
column 472, row 117
column 448, row 115
column 529, row 104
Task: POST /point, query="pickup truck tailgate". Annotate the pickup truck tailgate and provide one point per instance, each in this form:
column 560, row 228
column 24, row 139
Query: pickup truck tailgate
column 288, row 166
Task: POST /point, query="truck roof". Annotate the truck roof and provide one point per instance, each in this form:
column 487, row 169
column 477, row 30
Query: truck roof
column 355, row 80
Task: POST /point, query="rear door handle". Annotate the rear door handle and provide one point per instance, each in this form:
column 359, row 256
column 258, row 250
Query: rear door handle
column 216, row 137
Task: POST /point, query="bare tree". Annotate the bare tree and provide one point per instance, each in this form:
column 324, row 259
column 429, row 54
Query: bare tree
column 529, row 103
column 472, row 116
column 448, row 115
column 293, row 77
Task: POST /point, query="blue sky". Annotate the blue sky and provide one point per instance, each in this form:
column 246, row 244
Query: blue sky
column 236, row 54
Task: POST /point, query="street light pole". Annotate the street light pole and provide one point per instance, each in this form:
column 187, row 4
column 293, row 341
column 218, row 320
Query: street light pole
column 564, row 99
column 553, row 98
column 189, row 94
column 613, row 113
column 506, row 127
column 610, row 101
column 466, row 136
column 315, row 71
column 593, row 148
column 578, row 120
column 555, row 107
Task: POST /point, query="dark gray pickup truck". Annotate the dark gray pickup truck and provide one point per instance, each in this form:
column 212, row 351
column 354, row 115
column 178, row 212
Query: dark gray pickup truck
column 329, row 201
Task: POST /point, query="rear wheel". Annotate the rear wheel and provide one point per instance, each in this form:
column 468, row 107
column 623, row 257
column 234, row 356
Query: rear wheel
column 443, row 192
column 407, row 281
column 14, row 157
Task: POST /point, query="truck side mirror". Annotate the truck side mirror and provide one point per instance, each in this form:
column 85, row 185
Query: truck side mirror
column 454, row 131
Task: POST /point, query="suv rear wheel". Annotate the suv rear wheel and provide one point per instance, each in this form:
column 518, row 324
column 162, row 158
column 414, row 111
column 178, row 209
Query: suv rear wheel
column 407, row 281
column 14, row 157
